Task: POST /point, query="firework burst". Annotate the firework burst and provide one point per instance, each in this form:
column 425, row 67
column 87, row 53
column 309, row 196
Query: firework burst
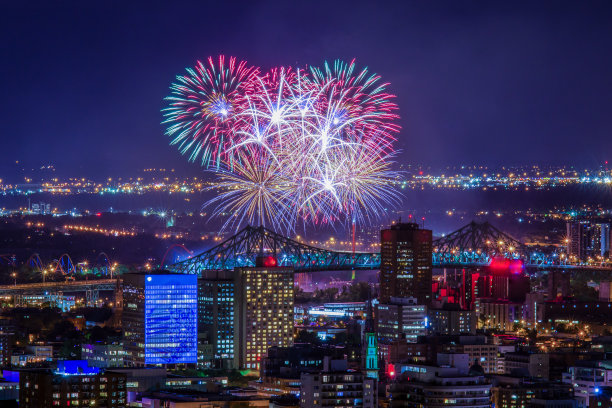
column 289, row 146
column 203, row 105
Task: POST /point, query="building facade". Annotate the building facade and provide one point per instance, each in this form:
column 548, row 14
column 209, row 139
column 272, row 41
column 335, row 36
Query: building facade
column 451, row 320
column 160, row 318
column 406, row 268
column 402, row 318
column 336, row 386
column 73, row 384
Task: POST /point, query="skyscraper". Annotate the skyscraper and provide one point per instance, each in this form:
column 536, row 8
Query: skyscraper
column 160, row 318
column 587, row 240
column 577, row 240
column 246, row 311
column 405, row 268
column 216, row 315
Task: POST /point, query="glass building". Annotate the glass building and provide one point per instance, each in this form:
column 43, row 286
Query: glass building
column 160, row 318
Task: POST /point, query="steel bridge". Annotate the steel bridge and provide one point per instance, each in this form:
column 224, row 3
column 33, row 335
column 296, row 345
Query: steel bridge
column 242, row 249
column 472, row 245
column 91, row 288
column 476, row 244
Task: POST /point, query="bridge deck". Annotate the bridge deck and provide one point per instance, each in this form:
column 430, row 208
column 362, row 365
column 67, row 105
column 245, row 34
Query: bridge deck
column 71, row 286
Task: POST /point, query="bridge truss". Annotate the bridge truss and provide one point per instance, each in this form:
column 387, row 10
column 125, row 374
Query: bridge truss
column 242, row 249
column 475, row 244
column 478, row 243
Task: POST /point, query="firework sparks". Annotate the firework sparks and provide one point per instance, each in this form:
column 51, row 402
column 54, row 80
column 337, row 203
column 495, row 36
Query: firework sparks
column 289, row 146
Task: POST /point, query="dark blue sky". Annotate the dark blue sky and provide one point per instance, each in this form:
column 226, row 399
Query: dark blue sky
column 82, row 83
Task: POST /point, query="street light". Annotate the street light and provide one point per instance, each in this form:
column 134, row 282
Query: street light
column 14, row 275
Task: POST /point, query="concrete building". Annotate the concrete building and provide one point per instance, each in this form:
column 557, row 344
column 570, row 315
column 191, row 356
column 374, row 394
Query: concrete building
column 500, row 314
column 103, row 355
column 402, row 318
column 451, row 320
column 450, row 383
column 336, row 386
column 523, row 392
column 405, row 268
column 479, row 351
column 587, row 378
column 73, row 384
column 527, row 364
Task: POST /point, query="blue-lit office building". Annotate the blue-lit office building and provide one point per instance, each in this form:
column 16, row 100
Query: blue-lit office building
column 160, row 318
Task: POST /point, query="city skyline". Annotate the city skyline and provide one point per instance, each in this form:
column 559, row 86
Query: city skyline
column 306, row 204
column 525, row 92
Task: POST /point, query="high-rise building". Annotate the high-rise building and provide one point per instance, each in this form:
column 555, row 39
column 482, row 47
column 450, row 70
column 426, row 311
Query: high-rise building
column 577, row 240
column 160, row 318
column 405, row 268
column 246, row 311
column 587, row 240
column 600, row 241
column 216, row 315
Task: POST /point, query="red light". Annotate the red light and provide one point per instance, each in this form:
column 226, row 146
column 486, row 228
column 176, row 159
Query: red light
column 391, row 370
column 98, row 214
column 515, row 266
column 270, row 261
column 420, row 172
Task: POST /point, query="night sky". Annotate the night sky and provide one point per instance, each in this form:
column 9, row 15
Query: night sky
column 82, row 83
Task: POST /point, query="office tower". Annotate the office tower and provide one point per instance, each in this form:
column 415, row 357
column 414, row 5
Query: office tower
column 337, row 386
column 405, row 268
column 160, row 318
column 402, row 318
column 246, row 311
column 216, row 314
column 72, row 384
